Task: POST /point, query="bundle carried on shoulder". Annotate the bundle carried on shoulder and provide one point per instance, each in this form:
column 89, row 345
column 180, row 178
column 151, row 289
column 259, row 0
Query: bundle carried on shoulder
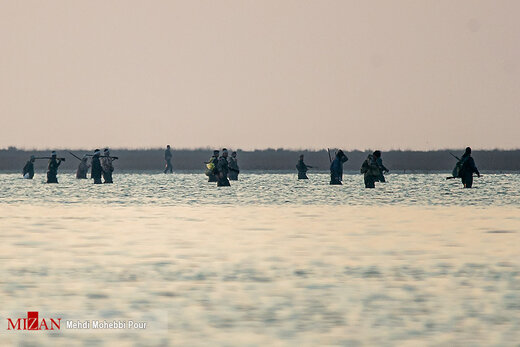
column 369, row 167
column 365, row 167
column 210, row 168
column 457, row 170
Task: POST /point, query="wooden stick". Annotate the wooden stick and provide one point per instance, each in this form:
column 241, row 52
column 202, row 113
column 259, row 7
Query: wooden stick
column 62, row 159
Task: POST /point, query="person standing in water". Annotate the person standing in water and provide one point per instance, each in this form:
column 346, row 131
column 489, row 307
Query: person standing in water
column 302, row 169
column 96, row 170
column 336, row 168
column 370, row 171
column 107, row 166
column 211, row 165
column 83, row 167
column 52, row 169
column 468, row 169
column 382, row 169
column 234, row 170
column 168, row 158
column 28, row 169
column 223, row 170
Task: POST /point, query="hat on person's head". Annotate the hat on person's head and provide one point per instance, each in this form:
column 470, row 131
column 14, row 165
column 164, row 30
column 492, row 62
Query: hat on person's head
column 33, row 157
column 96, row 151
column 106, row 150
column 53, row 153
column 224, row 150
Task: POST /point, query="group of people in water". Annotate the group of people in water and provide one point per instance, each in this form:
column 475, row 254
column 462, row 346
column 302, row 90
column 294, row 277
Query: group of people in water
column 100, row 165
column 52, row 167
column 372, row 169
column 222, row 168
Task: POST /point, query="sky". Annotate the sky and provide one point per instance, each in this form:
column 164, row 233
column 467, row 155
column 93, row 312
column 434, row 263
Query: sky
column 260, row 74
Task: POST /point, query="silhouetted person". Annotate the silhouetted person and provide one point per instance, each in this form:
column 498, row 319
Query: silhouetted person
column 468, row 168
column 223, row 170
column 82, row 168
column 234, row 170
column 96, row 170
column 28, row 169
column 168, row 158
column 336, row 168
column 52, row 169
column 382, row 169
column 302, row 169
column 107, row 166
column 212, row 169
column 370, row 171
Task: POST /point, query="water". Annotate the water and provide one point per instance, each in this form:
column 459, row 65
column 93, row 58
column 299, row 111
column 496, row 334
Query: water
column 271, row 260
column 262, row 189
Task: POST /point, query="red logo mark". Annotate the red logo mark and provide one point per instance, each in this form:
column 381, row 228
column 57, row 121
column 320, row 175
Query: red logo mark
column 32, row 322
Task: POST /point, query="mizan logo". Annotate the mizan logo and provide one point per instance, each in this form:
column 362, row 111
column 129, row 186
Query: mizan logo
column 32, row 322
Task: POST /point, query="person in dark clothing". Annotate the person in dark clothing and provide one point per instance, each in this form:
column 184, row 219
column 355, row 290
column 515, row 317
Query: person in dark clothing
column 234, row 170
column 223, row 170
column 336, row 168
column 382, row 169
column 96, row 170
column 371, row 172
column 81, row 172
column 212, row 169
column 302, row 169
column 28, row 169
column 468, row 169
column 168, row 158
column 52, row 169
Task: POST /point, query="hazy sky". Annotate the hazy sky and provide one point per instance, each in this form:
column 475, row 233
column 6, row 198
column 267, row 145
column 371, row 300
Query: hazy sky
column 254, row 74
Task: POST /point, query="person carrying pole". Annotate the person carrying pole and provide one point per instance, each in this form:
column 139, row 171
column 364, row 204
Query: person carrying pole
column 336, row 168
column 107, row 166
column 52, row 168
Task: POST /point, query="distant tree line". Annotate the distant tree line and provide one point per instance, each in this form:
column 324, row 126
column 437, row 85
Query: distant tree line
column 13, row 159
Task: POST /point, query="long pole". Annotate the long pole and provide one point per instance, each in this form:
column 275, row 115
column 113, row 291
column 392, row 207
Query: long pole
column 62, row 159
column 454, row 156
column 451, row 177
column 75, row 156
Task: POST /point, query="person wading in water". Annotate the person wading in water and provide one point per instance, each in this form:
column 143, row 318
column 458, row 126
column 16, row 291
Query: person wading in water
column 302, row 169
column 468, row 168
column 336, row 168
column 52, row 169
column 96, row 170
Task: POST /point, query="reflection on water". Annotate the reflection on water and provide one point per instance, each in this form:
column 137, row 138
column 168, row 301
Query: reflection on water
column 264, row 189
column 276, row 264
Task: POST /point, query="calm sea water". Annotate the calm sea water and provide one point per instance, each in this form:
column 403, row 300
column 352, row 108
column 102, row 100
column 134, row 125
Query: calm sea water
column 262, row 189
column 269, row 261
